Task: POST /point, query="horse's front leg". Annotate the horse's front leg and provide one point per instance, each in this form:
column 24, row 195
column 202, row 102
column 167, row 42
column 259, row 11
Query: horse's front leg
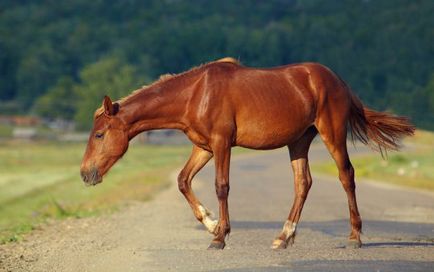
column 222, row 154
column 199, row 157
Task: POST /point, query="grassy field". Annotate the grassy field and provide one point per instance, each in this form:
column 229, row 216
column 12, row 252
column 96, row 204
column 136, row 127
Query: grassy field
column 413, row 167
column 39, row 182
column 5, row 131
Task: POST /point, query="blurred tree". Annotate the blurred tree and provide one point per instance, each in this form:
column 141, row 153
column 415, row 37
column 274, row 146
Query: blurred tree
column 428, row 114
column 109, row 76
column 39, row 69
column 7, row 73
column 376, row 46
column 59, row 101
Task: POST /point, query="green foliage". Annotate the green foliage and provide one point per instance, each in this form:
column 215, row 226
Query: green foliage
column 382, row 48
column 425, row 104
column 59, row 101
column 109, row 76
column 5, row 131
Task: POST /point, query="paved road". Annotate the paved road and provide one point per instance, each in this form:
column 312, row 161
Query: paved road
column 162, row 235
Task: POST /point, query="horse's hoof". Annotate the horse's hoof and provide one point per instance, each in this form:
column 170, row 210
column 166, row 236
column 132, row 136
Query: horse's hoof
column 279, row 244
column 217, row 245
column 354, row 243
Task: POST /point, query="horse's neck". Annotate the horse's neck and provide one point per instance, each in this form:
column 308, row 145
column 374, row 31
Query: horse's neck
column 154, row 108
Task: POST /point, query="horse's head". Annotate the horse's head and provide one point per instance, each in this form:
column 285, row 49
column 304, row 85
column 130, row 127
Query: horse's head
column 108, row 141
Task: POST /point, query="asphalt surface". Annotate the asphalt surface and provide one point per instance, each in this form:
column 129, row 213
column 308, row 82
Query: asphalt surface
column 163, row 235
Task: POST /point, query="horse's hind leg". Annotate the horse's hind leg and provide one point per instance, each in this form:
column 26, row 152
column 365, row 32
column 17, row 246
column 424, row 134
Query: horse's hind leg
column 199, row 157
column 334, row 135
column 302, row 182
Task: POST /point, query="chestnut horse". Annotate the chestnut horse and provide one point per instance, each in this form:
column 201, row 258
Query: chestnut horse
column 223, row 104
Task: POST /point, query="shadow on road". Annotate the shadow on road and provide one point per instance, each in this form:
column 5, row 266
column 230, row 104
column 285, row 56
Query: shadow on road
column 399, row 234
column 338, row 266
column 399, row 244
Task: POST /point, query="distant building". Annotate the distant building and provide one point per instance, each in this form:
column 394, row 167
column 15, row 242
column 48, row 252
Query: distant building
column 24, row 133
column 22, row 121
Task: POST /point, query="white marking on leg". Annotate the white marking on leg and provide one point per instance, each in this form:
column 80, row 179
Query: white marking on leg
column 209, row 223
column 276, row 243
column 289, row 229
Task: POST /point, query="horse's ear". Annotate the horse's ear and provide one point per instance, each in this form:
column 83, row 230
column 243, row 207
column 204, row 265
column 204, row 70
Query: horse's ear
column 110, row 108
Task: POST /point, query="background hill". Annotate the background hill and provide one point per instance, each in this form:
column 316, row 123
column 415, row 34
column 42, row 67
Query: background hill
column 58, row 58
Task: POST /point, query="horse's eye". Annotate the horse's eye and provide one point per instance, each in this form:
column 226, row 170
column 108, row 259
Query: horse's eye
column 99, row 135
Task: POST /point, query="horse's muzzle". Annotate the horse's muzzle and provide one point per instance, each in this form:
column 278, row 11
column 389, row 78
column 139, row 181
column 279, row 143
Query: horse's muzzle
column 91, row 177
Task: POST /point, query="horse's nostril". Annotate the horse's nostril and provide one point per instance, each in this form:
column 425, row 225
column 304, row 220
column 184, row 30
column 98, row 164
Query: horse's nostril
column 83, row 176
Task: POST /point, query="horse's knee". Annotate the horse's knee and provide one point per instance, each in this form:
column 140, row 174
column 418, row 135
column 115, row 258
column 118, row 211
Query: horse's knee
column 183, row 183
column 222, row 190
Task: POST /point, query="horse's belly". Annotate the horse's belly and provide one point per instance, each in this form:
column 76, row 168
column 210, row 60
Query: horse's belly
column 269, row 135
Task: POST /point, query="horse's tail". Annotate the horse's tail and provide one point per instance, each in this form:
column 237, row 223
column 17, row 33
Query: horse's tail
column 382, row 131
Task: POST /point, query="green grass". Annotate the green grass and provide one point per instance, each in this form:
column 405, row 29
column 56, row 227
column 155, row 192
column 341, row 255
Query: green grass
column 5, row 131
column 41, row 181
column 413, row 168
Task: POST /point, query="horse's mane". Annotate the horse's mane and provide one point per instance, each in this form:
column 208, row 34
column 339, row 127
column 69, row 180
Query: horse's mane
column 167, row 77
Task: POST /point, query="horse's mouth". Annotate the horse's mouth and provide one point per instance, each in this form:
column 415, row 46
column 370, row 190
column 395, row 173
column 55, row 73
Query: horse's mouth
column 93, row 182
column 91, row 178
